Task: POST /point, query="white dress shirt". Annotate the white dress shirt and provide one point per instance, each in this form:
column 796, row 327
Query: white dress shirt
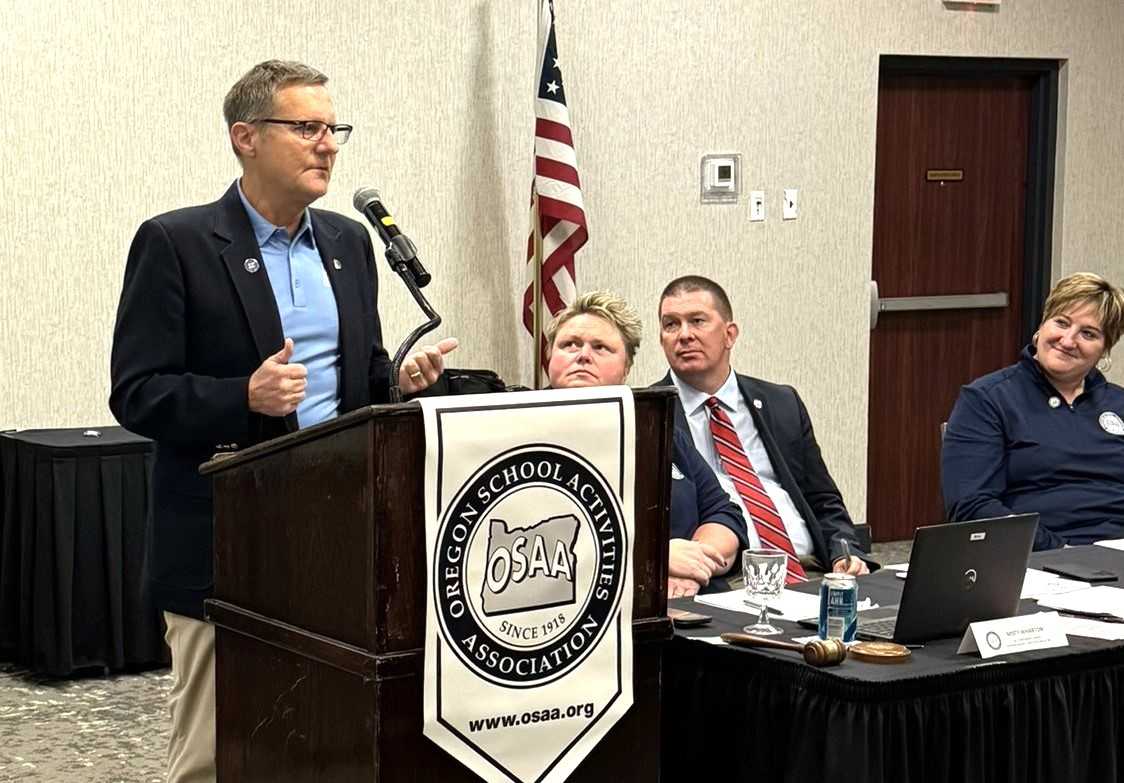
column 730, row 396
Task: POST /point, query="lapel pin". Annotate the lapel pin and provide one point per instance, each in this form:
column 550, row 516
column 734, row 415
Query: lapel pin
column 252, row 265
column 336, row 263
column 1055, row 402
column 757, row 404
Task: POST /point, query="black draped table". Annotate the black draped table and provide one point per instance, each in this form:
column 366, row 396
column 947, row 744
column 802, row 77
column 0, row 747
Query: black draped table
column 73, row 506
column 762, row 715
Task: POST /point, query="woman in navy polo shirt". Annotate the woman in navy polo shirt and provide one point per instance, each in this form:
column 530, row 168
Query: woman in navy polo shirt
column 592, row 343
column 1046, row 434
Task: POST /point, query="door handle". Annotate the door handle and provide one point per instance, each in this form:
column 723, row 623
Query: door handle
column 906, row 304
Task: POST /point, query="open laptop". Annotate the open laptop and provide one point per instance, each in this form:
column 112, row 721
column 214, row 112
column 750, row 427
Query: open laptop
column 959, row 573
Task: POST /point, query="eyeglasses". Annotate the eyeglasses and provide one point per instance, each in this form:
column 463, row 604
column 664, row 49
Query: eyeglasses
column 314, row 130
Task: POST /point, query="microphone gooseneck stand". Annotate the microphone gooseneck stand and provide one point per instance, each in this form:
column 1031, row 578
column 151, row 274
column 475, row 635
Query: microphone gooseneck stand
column 410, row 278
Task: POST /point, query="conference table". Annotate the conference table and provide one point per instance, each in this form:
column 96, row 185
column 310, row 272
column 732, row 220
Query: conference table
column 733, row 713
column 73, row 507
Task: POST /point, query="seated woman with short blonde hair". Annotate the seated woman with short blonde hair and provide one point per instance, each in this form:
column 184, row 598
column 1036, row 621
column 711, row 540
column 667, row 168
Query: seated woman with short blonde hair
column 1046, row 435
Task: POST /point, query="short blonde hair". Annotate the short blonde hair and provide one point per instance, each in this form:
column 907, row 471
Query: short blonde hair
column 611, row 308
column 1086, row 288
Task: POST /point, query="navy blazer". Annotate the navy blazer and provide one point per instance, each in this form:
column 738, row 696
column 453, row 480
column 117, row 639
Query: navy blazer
column 786, row 430
column 696, row 495
column 196, row 317
column 697, row 498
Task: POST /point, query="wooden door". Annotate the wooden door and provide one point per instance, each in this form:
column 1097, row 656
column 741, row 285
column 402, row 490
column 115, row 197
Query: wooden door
column 949, row 203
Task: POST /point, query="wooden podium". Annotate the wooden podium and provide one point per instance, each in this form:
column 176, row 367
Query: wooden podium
column 319, row 605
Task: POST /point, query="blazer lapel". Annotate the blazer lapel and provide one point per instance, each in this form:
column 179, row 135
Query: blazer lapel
column 680, row 415
column 344, row 265
column 763, row 421
column 247, row 271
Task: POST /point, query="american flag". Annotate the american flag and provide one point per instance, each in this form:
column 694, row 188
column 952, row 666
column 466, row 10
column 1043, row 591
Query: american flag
column 561, row 213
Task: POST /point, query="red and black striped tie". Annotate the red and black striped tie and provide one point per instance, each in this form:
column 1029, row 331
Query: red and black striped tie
column 766, row 520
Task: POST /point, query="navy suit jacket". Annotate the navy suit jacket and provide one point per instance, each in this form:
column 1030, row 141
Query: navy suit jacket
column 193, row 324
column 697, row 498
column 786, row 430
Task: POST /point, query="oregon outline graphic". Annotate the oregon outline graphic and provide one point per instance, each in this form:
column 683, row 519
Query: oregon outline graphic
column 482, row 619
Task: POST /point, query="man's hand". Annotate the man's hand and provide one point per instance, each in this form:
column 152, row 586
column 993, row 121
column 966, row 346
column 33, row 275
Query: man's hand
column 694, row 560
column 424, row 366
column 850, row 565
column 277, row 387
column 681, row 588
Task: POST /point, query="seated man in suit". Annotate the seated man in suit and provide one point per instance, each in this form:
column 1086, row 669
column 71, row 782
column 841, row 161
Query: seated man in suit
column 756, row 436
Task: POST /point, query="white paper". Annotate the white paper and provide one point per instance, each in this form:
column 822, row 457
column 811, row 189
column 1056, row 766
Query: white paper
column 790, row 605
column 896, row 567
column 1101, row 599
column 1040, row 584
column 1111, row 543
column 1092, row 629
column 1026, row 632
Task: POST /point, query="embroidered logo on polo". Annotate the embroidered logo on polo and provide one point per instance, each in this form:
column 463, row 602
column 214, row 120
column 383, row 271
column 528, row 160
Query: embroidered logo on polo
column 529, row 566
column 1111, row 423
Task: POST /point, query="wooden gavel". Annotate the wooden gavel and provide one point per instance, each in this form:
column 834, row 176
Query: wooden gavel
column 818, row 652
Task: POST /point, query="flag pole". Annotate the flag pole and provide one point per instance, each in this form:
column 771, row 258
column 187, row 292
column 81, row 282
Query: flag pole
column 537, row 298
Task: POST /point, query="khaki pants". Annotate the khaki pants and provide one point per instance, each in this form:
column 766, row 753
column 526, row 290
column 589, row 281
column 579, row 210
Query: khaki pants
column 191, row 747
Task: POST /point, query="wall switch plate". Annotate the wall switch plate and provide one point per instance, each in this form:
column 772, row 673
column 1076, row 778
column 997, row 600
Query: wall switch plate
column 791, row 204
column 756, row 206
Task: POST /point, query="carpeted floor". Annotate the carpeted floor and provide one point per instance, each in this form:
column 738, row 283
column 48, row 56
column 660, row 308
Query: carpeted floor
column 100, row 730
column 113, row 729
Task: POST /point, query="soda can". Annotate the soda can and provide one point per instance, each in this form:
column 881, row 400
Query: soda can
column 839, row 614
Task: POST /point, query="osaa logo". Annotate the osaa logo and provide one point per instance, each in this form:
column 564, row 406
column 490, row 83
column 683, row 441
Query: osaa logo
column 529, row 565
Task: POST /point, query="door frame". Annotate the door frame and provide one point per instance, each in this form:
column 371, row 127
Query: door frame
column 1038, row 228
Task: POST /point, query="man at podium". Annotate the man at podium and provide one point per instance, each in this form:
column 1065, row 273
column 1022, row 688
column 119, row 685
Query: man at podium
column 241, row 320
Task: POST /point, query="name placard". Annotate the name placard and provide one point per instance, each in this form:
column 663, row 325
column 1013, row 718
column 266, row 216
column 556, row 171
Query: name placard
column 990, row 638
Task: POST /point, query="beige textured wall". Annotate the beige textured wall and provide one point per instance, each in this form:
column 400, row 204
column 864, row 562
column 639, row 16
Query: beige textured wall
column 112, row 113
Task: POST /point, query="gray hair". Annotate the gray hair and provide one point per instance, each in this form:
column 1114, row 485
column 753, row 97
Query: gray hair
column 251, row 97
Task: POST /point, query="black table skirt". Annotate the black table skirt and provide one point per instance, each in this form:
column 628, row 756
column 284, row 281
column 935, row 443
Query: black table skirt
column 72, row 543
column 762, row 715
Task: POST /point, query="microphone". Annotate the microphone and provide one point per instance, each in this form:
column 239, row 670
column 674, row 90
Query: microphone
column 400, row 251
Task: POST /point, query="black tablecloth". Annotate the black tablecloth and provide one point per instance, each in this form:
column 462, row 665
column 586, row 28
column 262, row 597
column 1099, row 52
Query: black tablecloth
column 72, row 542
column 1048, row 715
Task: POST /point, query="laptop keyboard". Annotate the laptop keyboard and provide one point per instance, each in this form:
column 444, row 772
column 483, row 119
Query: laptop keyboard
column 882, row 629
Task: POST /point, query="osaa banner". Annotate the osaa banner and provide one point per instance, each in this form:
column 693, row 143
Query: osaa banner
column 529, row 528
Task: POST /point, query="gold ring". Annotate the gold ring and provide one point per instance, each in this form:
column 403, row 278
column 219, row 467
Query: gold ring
column 415, row 375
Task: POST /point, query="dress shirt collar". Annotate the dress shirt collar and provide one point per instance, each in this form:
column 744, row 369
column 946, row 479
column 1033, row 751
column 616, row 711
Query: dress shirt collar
column 693, row 399
column 263, row 229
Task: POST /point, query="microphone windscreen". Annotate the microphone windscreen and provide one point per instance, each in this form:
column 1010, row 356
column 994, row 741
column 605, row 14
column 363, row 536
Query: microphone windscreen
column 365, row 196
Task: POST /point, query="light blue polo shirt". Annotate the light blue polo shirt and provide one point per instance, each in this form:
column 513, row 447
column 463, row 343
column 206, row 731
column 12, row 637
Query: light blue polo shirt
column 307, row 307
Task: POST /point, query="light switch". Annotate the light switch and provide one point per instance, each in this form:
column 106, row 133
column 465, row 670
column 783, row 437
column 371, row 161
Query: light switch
column 756, row 206
column 791, row 205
